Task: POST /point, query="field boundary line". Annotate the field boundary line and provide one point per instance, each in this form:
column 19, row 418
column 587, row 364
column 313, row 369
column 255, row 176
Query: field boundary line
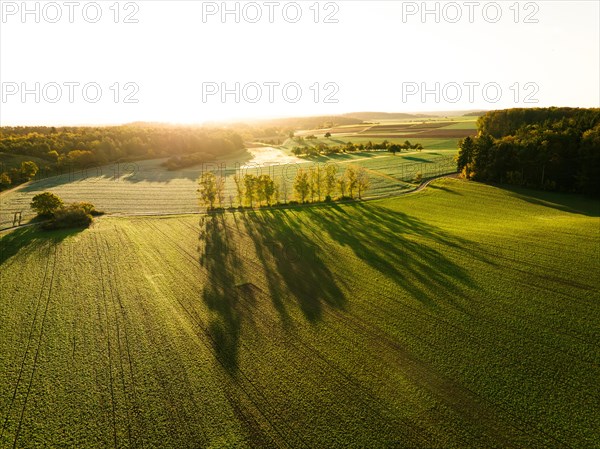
column 112, row 277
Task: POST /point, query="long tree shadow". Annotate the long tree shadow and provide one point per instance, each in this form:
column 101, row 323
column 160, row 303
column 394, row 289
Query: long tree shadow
column 219, row 257
column 288, row 264
column 408, row 251
column 286, row 259
column 292, row 264
column 28, row 239
column 566, row 202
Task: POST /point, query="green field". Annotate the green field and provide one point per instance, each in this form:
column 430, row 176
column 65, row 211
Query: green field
column 461, row 316
column 424, row 131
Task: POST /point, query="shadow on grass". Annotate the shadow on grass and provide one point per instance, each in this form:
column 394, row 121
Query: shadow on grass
column 418, row 159
column 293, row 264
column 147, row 170
column 28, row 239
column 385, row 240
column 435, row 186
column 288, row 262
column 219, row 257
column 566, row 202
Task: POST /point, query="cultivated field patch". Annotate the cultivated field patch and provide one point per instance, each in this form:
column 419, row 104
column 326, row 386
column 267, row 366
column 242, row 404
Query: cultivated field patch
column 461, row 316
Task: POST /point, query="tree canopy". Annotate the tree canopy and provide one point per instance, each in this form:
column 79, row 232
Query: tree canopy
column 549, row 148
column 46, row 204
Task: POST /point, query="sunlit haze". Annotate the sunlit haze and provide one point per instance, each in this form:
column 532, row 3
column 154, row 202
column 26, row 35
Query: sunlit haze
column 378, row 56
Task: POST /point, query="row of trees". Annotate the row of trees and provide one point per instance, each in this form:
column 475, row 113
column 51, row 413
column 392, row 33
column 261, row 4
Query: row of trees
column 552, row 148
column 349, row 147
column 324, row 182
column 320, row 183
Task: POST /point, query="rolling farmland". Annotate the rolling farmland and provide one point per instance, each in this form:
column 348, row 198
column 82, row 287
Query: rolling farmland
column 399, row 322
column 308, row 225
column 148, row 188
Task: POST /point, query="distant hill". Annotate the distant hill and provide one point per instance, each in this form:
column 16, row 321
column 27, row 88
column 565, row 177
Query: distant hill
column 370, row 116
column 317, row 122
column 385, row 116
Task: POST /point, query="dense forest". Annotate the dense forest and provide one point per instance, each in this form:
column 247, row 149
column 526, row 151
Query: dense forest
column 83, row 147
column 549, row 148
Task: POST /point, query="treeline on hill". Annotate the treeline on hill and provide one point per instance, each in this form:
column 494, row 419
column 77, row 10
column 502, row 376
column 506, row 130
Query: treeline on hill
column 549, row 148
column 84, row 147
column 326, row 149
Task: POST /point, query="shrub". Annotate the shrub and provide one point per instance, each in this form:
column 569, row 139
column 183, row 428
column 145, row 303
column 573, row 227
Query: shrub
column 89, row 208
column 69, row 217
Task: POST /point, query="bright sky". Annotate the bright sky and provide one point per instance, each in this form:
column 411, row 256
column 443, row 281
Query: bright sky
column 375, row 56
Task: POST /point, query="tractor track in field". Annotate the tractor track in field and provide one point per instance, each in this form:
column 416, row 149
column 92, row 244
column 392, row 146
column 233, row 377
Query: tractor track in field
column 546, row 288
column 211, row 347
column 131, row 370
column 162, row 374
column 467, row 403
column 111, row 278
column 442, row 387
column 108, row 342
column 29, row 341
column 37, row 352
column 470, row 336
column 516, row 315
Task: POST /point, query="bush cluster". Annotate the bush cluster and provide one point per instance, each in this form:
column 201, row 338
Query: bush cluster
column 75, row 215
